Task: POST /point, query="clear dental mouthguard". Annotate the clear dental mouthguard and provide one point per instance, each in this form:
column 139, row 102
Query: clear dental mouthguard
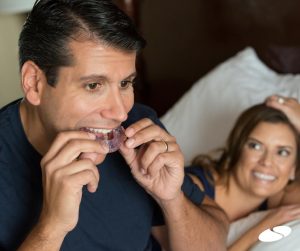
column 112, row 139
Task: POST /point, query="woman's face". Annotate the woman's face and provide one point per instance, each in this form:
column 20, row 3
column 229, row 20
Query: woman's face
column 268, row 160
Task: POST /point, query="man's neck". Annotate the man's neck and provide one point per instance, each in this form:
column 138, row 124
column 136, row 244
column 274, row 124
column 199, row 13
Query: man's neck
column 33, row 128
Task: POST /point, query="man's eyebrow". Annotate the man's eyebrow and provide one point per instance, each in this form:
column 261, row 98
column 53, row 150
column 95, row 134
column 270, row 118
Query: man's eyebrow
column 132, row 75
column 102, row 77
column 84, row 78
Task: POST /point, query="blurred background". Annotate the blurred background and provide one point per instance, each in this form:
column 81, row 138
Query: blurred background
column 12, row 17
column 185, row 40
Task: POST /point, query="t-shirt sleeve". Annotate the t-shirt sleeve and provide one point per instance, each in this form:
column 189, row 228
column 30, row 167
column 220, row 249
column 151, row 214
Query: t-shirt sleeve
column 204, row 177
column 139, row 112
column 192, row 191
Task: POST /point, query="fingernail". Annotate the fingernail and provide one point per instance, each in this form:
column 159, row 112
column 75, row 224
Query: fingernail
column 129, row 142
column 104, row 145
column 91, row 135
column 143, row 171
column 94, row 189
column 129, row 132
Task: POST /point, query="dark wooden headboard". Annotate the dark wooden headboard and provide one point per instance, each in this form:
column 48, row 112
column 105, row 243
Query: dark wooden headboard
column 186, row 39
column 131, row 7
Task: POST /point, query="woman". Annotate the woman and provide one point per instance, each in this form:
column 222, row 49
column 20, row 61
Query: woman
column 259, row 160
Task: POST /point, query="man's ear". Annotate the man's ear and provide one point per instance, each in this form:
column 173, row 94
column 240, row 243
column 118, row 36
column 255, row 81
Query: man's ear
column 32, row 82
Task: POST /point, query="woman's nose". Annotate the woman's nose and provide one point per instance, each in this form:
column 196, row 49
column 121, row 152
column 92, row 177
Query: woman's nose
column 266, row 158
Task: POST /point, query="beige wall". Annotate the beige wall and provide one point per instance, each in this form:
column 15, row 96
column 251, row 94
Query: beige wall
column 10, row 26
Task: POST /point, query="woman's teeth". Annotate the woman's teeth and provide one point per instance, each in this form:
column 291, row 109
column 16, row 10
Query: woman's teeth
column 264, row 176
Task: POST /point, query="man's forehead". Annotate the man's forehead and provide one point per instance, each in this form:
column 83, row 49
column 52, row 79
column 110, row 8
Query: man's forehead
column 94, row 47
column 93, row 58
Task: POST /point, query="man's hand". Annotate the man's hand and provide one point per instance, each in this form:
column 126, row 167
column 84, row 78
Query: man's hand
column 64, row 175
column 155, row 159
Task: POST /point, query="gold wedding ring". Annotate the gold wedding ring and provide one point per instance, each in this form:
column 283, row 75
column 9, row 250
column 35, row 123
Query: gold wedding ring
column 166, row 145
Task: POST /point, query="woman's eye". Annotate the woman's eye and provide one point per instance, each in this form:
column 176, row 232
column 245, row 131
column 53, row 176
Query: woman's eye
column 283, row 152
column 254, row 145
column 92, row 86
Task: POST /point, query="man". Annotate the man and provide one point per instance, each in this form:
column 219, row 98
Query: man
column 61, row 189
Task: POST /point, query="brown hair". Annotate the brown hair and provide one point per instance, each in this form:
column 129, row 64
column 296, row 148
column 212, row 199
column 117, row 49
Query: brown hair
column 225, row 165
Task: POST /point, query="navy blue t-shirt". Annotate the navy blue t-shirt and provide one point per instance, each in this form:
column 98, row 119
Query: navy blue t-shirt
column 119, row 216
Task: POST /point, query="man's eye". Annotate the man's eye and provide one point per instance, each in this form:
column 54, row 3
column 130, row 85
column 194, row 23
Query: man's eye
column 92, row 86
column 126, row 83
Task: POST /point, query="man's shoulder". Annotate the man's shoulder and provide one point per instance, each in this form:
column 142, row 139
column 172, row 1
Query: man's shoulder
column 10, row 127
column 142, row 110
column 9, row 109
column 8, row 114
column 9, row 105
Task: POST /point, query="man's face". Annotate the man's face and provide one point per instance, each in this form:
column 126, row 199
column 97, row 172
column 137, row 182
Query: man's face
column 96, row 92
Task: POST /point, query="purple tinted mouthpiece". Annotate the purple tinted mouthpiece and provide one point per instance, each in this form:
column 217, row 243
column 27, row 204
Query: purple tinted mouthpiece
column 113, row 139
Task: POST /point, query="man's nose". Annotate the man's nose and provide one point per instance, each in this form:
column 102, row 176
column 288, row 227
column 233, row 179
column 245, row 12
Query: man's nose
column 115, row 107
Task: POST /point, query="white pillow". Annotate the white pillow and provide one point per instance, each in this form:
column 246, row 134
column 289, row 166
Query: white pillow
column 239, row 227
column 202, row 118
column 288, row 243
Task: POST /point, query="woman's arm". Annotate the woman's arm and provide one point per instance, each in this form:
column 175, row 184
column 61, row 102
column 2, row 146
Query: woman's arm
column 291, row 193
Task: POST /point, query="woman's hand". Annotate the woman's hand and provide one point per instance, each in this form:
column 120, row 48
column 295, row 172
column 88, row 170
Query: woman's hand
column 290, row 106
column 281, row 215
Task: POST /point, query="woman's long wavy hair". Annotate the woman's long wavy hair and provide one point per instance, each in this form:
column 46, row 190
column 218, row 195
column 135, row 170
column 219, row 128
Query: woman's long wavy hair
column 226, row 164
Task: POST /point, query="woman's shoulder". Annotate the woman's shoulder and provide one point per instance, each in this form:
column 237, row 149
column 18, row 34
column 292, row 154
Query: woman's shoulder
column 203, row 178
column 201, row 172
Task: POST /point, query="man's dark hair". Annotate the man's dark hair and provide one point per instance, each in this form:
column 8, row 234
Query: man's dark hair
column 52, row 24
